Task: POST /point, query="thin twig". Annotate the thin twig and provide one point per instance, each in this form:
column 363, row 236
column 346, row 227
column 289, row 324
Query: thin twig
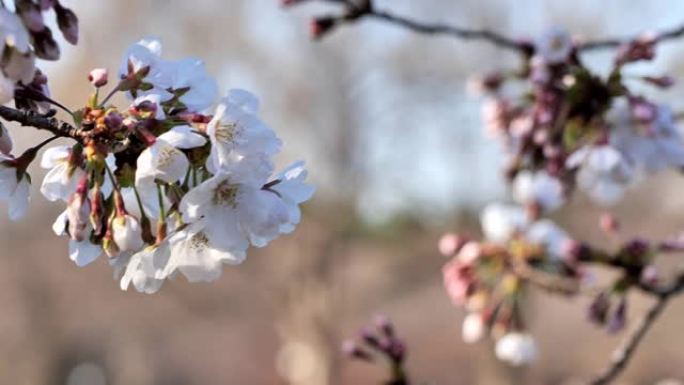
column 622, row 355
column 355, row 12
column 670, row 34
column 458, row 32
column 33, row 119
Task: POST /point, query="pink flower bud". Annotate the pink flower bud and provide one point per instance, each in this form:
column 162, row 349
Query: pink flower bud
column 78, row 211
column 450, row 243
column 98, row 77
column 608, row 223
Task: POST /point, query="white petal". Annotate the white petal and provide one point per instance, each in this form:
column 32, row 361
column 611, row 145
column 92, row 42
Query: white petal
column 19, row 202
column 84, row 252
column 183, row 137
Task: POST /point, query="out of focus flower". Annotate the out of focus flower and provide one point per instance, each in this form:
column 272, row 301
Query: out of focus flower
column 554, row 46
column 500, row 222
column 651, row 141
column 516, row 349
column 603, row 172
column 538, row 188
column 473, row 328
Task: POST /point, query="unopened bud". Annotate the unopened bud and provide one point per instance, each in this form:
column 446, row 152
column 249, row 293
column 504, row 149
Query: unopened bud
column 31, row 15
column 660, row 81
column 450, row 244
column 353, row 350
column 320, row 26
column 598, row 310
column 650, row 275
column 127, row 233
column 78, row 211
column 67, row 22
column 98, row 77
column 45, row 45
column 113, row 120
column 617, row 322
column 608, row 223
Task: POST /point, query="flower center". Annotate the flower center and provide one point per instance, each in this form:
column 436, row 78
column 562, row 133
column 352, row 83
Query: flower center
column 166, row 156
column 226, row 194
column 225, row 132
column 199, row 242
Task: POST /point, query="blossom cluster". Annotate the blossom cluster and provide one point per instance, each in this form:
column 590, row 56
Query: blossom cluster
column 572, row 128
column 487, row 277
column 166, row 185
column 569, row 130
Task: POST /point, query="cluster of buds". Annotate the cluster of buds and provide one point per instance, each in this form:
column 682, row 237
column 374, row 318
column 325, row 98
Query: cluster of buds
column 489, row 278
column 165, row 185
column 380, row 341
column 578, row 129
column 24, row 36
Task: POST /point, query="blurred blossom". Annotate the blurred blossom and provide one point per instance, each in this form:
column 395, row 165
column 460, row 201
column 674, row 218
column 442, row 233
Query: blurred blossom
column 516, row 349
column 554, row 45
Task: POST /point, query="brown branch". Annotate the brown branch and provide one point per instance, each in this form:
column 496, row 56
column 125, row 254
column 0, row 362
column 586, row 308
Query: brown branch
column 621, row 356
column 670, row 34
column 450, row 30
column 42, row 122
column 365, row 8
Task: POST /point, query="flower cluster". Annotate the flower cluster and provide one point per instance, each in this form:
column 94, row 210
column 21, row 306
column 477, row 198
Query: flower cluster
column 166, row 185
column 487, row 277
column 572, row 128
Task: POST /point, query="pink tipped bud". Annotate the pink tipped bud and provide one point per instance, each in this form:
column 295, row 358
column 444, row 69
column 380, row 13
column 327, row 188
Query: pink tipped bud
column 78, row 211
column 450, row 243
column 320, row 26
column 650, row 275
column 352, row 350
column 98, row 77
column 608, row 223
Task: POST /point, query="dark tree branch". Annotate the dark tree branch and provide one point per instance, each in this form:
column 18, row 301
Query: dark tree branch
column 670, row 34
column 457, row 32
column 621, row 356
column 42, row 122
column 356, row 10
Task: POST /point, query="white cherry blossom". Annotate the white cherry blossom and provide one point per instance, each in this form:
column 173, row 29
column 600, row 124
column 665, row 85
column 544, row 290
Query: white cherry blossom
column 603, row 172
column 554, row 45
column 127, row 233
column 651, row 146
column 293, row 191
column 163, row 160
column 240, row 142
column 61, row 181
column 500, row 222
column 538, row 188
